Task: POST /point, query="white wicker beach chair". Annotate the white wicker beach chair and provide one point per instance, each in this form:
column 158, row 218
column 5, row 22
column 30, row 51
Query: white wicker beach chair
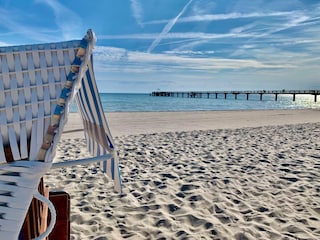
column 37, row 86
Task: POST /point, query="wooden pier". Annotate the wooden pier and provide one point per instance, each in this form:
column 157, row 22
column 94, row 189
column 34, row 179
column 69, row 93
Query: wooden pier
column 200, row 94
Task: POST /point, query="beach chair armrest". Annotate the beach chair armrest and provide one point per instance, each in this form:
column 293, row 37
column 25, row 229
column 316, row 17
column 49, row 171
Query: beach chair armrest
column 82, row 161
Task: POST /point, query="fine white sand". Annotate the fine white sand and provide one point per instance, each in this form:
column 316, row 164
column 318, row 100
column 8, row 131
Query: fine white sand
column 133, row 123
column 199, row 175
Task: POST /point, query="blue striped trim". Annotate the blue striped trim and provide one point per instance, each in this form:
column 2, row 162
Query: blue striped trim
column 110, row 143
column 97, row 103
column 112, row 168
column 65, row 93
column 84, row 43
column 84, row 97
column 71, row 76
column 76, row 61
column 58, row 110
column 80, row 99
column 95, row 98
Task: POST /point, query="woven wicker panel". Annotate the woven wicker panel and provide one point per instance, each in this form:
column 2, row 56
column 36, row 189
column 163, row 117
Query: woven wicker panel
column 31, row 79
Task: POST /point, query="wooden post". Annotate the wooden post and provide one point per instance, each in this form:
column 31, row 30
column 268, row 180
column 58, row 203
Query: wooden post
column 294, row 97
column 216, row 95
column 236, row 96
column 261, row 96
column 276, row 96
column 315, row 98
column 225, row 95
column 247, row 96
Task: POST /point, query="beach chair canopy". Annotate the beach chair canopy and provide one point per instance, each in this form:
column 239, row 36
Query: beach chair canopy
column 37, row 85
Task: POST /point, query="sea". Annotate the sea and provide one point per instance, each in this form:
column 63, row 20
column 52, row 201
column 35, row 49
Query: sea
column 144, row 102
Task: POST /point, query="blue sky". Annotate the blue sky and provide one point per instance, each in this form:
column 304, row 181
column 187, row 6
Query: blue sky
column 181, row 45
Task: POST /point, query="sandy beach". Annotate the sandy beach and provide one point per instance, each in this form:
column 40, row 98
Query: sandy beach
column 199, row 175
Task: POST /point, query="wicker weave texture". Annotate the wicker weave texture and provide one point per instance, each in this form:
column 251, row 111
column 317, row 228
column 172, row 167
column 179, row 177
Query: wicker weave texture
column 19, row 181
column 31, row 79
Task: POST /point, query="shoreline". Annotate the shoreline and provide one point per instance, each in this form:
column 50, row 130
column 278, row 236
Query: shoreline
column 133, row 123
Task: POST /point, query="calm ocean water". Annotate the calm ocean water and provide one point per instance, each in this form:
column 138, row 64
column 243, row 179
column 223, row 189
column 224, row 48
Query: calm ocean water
column 124, row 102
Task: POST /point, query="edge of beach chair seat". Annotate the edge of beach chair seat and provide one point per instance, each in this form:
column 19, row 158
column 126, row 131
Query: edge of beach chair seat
column 61, row 201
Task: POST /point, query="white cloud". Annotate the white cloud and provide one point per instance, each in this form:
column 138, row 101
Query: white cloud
column 264, row 47
column 293, row 22
column 137, row 11
column 227, row 16
column 167, row 28
column 244, row 28
column 110, row 54
column 115, row 59
column 2, row 44
column 176, row 35
column 190, row 52
column 203, row 7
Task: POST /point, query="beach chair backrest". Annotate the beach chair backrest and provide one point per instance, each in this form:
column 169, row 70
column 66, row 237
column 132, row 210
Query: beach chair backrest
column 37, row 85
column 32, row 78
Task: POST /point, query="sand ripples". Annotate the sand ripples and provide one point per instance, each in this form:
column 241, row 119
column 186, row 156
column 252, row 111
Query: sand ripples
column 249, row 183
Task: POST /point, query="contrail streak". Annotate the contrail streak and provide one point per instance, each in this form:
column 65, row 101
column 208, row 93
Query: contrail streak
column 167, row 28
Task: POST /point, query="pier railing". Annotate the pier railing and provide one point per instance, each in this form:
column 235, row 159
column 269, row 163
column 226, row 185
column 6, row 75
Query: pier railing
column 200, row 94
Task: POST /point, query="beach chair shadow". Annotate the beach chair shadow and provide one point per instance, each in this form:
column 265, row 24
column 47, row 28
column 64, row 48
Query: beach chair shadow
column 37, row 85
